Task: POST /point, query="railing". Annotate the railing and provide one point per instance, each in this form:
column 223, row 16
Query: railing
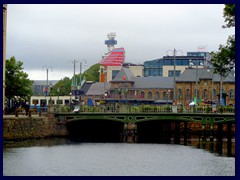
column 143, row 109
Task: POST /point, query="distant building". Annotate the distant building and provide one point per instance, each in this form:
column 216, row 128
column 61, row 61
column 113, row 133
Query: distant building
column 127, row 88
column 208, row 87
column 165, row 66
column 40, row 86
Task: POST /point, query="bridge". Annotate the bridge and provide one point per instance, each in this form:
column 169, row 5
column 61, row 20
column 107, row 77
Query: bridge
column 136, row 125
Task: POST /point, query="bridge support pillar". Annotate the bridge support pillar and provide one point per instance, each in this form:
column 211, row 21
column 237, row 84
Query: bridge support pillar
column 229, row 139
column 203, row 138
column 130, row 133
column 211, row 145
column 177, row 133
column 185, row 133
column 220, row 138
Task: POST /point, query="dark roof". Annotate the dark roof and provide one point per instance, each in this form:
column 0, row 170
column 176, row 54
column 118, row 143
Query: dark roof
column 85, row 87
column 97, row 88
column 189, row 75
column 123, row 73
column 153, row 82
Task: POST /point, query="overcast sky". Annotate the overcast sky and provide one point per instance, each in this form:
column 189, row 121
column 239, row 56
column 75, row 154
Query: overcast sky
column 54, row 35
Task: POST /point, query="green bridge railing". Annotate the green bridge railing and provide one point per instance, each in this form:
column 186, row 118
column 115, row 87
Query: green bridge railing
column 143, row 109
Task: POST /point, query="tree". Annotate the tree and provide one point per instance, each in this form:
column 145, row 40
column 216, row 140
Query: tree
column 224, row 60
column 17, row 82
column 64, row 86
column 92, row 74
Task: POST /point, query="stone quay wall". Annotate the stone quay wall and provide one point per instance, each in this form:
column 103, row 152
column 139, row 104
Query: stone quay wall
column 24, row 127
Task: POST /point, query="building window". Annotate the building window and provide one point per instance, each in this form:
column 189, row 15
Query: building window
column 171, row 94
column 66, row 101
column 231, row 94
column 179, row 93
column 205, row 94
column 165, row 95
column 197, row 93
column 142, row 94
column 35, row 101
column 171, row 73
column 157, row 95
column 114, row 73
column 188, row 95
column 149, row 95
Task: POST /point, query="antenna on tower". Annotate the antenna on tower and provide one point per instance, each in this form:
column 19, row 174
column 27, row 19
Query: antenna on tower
column 111, row 41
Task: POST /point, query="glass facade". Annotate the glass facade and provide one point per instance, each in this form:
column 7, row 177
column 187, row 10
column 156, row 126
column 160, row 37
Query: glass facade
column 155, row 67
column 171, row 73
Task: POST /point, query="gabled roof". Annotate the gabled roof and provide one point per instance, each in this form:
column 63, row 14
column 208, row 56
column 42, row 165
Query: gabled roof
column 115, row 58
column 124, row 75
column 189, row 75
column 97, row 88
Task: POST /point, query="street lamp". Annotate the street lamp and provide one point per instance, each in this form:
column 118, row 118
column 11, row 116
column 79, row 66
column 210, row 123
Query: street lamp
column 47, row 68
column 80, row 78
column 50, row 87
column 70, row 103
column 196, row 90
column 174, row 70
column 212, row 75
column 58, row 90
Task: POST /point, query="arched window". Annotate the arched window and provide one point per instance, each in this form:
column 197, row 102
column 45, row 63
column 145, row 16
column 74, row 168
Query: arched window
column 149, row 95
column 188, row 95
column 214, row 93
column 142, row 94
column 197, row 93
column 171, row 95
column 164, row 95
column 179, row 93
column 231, row 94
column 157, row 95
column 205, row 95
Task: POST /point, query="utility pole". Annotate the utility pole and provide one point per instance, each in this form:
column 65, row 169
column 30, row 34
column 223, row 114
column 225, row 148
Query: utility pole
column 4, row 50
column 47, row 69
column 80, row 80
column 174, row 71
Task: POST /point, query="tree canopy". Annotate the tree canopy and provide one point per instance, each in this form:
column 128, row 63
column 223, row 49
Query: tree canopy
column 64, row 85
column 17, row 82
column 224, row 59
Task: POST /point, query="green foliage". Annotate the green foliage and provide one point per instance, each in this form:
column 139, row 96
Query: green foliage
column 92, row 74
column 64, row 86
column 17, row 82
column 229, row 15
column 224, row 60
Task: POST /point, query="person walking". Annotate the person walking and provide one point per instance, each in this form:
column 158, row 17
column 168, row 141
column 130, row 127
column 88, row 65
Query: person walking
column 27, row 108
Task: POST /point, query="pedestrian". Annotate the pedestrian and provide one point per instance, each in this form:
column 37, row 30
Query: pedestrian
column 27, row 108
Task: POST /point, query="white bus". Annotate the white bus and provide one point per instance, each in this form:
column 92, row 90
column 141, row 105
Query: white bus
column 44, row 101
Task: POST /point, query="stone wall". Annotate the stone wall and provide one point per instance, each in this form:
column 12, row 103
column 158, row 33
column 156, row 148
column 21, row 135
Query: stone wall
column 24, row 127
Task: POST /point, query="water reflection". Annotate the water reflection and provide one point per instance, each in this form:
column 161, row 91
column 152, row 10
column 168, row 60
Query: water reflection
column 57, row 157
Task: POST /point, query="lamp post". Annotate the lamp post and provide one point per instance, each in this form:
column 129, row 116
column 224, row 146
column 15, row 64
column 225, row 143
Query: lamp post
column 47, row 69
column 196, row 90
column 70, row 103
column 73, row 86
column 50, row 88
column 58, row 90
column 212, row 76
column 105, row 79
column 174, row 70
column 80, row 78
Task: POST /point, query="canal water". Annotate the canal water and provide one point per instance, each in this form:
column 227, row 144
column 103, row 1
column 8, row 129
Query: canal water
column 63, row 157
